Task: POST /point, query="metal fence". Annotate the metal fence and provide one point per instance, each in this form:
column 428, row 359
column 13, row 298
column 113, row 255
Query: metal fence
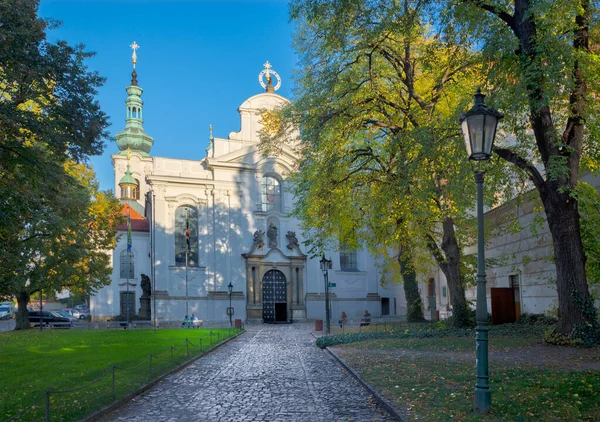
column 142, row 373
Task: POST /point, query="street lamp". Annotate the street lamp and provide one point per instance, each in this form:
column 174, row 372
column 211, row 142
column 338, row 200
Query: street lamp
column 479, row 129
column 230, row 310
column 325, row 266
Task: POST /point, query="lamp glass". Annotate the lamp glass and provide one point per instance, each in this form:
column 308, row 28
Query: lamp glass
column 323, row 262
column 230, row 287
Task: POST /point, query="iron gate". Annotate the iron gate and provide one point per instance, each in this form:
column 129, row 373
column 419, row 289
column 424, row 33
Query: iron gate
column 274, row 297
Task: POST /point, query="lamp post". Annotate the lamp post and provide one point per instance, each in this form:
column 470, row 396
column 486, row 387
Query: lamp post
column 152, row 199
column 325, row 266
column 479, row 129
column 230, row 310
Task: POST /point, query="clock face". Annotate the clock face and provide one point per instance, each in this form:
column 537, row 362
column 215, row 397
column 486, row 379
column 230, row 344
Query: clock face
column 269, row 73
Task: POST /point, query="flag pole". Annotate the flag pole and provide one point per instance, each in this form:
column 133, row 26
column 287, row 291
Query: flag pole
column 129, row 261
column 187, row 254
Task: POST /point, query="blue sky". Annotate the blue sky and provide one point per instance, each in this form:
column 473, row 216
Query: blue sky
column 197, row 62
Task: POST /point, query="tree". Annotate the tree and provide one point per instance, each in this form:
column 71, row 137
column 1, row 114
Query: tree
column 542, row 63
column 49, row 121
column 65, row 243
column 377, row 106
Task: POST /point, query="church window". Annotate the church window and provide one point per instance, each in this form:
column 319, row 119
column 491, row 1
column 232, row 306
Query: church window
column 186, row 218
column 348, row 259
column 271, row 194
column 127, row 263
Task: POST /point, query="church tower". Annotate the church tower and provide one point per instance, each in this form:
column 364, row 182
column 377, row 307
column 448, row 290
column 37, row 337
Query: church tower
column 133, row 137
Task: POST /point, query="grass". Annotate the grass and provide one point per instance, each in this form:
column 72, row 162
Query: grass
column 435, row 377
column 34, row 361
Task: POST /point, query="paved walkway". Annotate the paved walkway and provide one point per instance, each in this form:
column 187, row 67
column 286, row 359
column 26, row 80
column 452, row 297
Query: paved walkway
column 270, row 373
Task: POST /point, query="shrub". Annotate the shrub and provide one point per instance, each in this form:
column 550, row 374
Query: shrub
column 537, row 319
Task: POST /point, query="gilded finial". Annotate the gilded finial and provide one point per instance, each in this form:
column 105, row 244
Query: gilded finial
column 210, row 132
column 134, row 46
column 128, row 154
column 267, row 66
column 268, row 74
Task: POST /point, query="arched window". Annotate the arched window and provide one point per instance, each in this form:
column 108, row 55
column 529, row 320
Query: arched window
column 127, row 263
column 271, row 194
column 186, row 218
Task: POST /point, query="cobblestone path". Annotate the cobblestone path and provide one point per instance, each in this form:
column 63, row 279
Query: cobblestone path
column 270, row 373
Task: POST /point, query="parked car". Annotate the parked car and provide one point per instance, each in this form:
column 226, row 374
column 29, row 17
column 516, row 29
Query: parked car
column 82, row 307
column 73, row 312
column 49, row 319
column 66, row 314
column 6, row 311
column 83, row 313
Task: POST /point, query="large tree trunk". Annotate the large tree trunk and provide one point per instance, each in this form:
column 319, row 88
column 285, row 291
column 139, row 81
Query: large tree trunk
column 449, row 263
column 414, row 305
column 571, row 283
column 22, row 318
column 574, row 302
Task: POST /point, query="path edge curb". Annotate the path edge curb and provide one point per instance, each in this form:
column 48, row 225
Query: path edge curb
column 380, row 399
column 115, row 405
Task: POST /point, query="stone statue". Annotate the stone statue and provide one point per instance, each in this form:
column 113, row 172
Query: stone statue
column 146, row 286
column 272, row 235
column 145, row 312
column 258, row 239
column 292, row 240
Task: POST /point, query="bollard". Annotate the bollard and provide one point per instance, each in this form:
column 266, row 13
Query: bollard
column 113, row 381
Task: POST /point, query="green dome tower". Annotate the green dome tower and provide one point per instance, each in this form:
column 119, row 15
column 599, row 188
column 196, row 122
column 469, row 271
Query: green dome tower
column 134, row 137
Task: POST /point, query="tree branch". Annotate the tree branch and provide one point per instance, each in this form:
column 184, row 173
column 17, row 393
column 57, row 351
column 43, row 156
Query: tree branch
column 517, row 160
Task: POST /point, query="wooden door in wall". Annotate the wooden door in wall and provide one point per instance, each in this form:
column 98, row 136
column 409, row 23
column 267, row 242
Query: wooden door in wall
column 274, row 297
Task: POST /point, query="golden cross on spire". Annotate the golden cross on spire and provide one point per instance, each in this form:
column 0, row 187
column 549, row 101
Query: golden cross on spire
column 134, row 46
column 128, row 154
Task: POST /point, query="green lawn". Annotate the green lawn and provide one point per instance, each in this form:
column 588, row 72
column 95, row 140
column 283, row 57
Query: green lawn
column 435, row 377
column 34, row 361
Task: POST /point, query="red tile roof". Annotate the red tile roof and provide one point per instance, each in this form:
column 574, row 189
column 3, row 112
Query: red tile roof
column 138, row 221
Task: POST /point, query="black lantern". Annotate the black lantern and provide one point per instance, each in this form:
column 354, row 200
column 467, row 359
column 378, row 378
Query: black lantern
column 325, row 264
column 479, row 128
column 230, row 287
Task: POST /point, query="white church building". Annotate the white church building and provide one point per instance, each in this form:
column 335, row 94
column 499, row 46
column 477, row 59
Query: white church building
column 242, row 239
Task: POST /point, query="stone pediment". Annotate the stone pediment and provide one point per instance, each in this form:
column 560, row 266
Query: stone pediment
column 248, row 155
column 270, row 255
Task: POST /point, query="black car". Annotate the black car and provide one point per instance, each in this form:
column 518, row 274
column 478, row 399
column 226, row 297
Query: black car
column 49, row 319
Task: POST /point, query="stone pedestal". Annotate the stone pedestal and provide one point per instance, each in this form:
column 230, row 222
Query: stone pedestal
column 145, row 311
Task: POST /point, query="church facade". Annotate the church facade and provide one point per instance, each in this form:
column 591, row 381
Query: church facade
column 210, row 232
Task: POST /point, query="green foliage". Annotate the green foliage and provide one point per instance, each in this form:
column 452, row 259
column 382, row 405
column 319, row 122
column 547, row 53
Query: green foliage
column 536, row 319
column 55, row 225
column 431, row 332
column 383, row 162
column 588, row 200
column 544, row 76
column 589, row 331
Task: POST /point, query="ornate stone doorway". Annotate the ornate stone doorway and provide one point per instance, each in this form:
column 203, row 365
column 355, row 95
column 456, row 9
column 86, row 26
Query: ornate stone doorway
column 274, row 288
